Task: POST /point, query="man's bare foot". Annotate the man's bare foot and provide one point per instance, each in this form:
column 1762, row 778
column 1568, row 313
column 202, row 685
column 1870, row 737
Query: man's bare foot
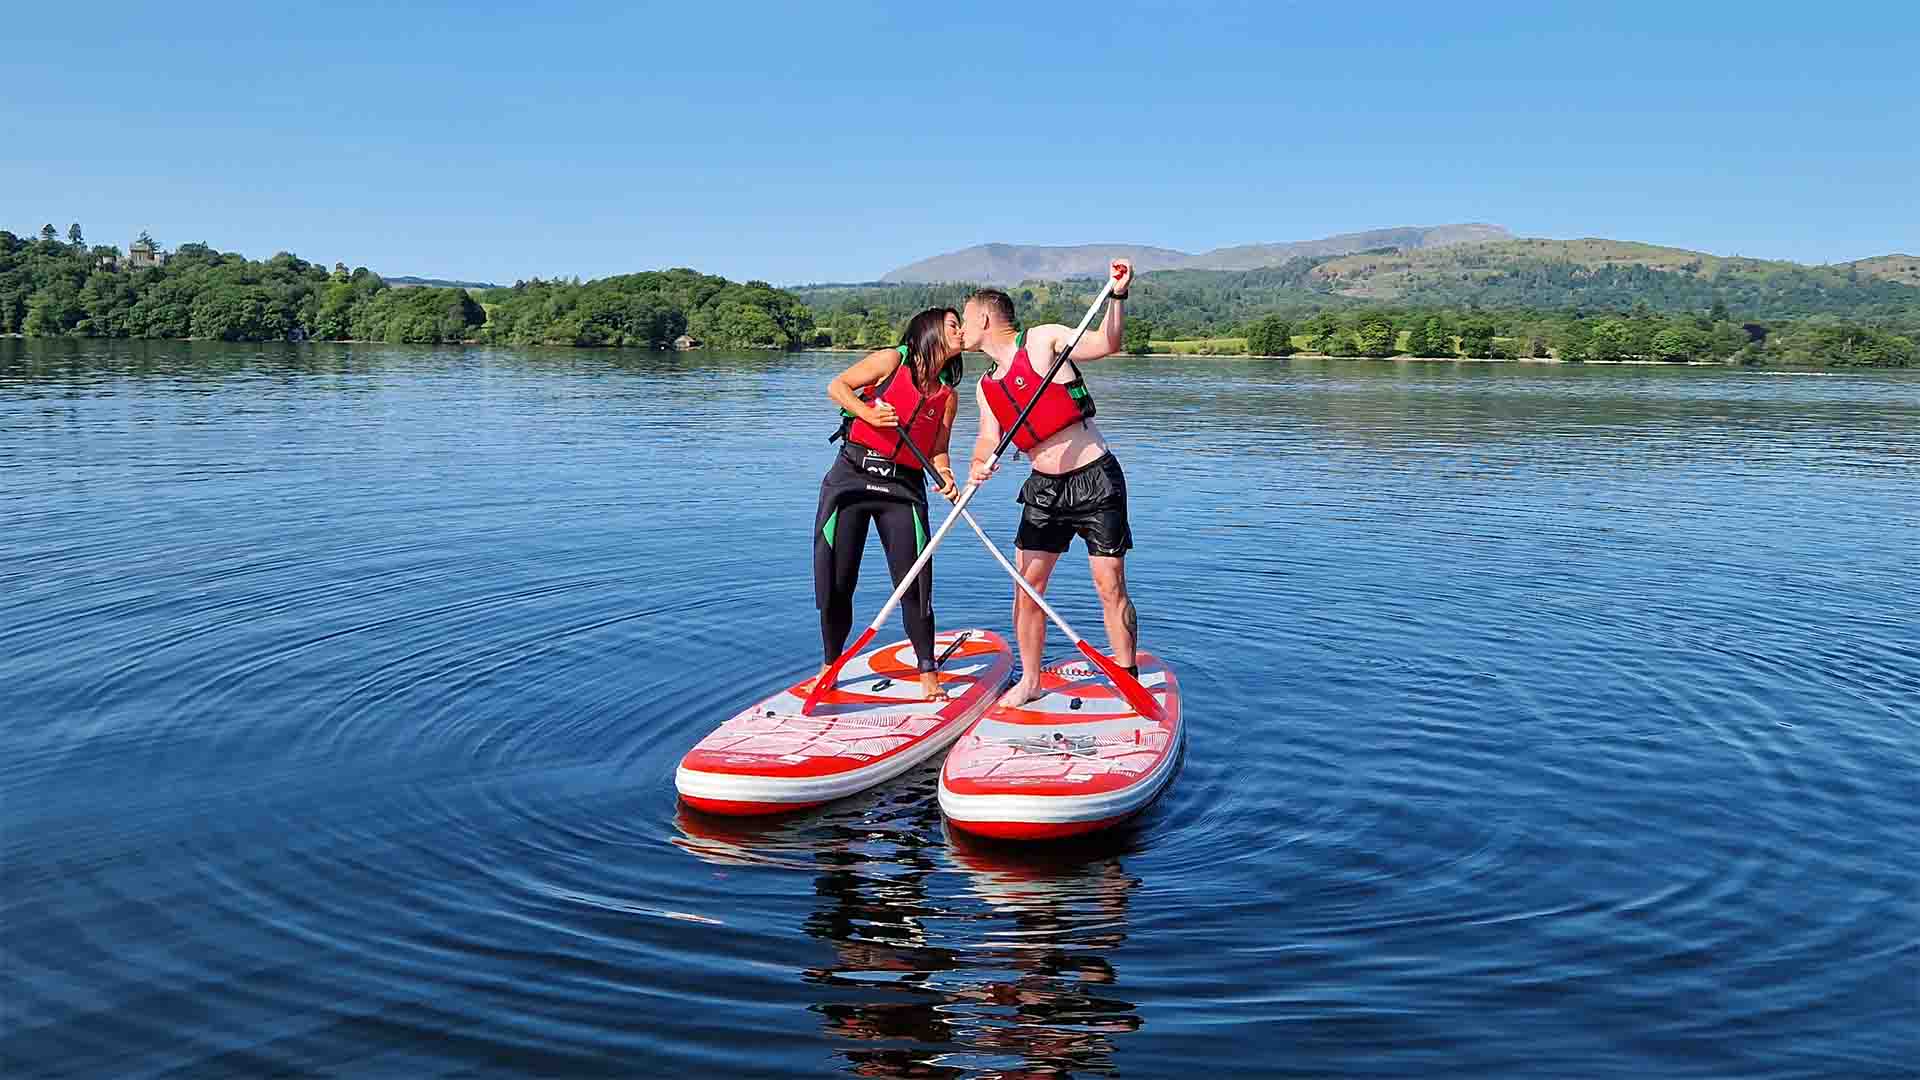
column 930, row 686
column 806, row 686
column 1021, row 692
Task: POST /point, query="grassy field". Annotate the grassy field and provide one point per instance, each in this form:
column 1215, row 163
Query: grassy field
column 1237, row 346
column 1220, row 346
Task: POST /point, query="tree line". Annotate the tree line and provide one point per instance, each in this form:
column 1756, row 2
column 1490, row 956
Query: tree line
column 1188, row 305
column 1635, row 335
column 55, row 288
column 650, row 310
column 50, row 287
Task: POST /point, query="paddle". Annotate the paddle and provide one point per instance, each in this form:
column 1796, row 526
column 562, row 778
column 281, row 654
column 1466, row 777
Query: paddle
column 1123, row 680
column 832, row 674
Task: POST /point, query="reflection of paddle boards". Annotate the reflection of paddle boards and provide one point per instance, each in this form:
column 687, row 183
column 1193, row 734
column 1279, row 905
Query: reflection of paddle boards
column 1075, row 760
column 871, row 726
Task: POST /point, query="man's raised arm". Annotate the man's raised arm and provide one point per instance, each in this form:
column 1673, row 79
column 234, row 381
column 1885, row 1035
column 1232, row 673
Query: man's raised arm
column 1111, row 337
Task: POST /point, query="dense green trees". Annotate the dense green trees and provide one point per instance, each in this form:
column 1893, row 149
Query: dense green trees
column 1138, row 337
column 1831, row 342
column 872, row 316
column 1476, row 336
column 1432, row 336
column 1270, row 336
column 652, row 309
column 50, row 289
column 1375, row 336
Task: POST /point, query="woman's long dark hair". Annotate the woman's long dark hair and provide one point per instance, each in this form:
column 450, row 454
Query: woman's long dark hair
column 926, row 338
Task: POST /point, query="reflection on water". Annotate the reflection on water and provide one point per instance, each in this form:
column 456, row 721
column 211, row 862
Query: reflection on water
column 949, row 957
column 1549, row 721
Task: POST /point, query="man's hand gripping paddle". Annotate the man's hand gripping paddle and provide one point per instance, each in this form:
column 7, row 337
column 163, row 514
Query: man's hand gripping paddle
column 831, row 676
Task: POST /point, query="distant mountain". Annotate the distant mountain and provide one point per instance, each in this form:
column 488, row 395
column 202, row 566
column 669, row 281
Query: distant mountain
column 410, row 282
column 1588, row 275
column 1255, row 256
column 1009, row 264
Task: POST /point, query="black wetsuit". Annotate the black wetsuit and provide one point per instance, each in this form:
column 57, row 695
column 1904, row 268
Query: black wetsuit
column 865, row 487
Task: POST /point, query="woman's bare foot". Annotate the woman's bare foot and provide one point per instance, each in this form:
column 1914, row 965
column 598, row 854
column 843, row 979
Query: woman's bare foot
column 1021, row 692
column 930, row 686
column 807, row 686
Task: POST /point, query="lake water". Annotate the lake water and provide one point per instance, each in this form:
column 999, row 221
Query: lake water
column 1549, row 721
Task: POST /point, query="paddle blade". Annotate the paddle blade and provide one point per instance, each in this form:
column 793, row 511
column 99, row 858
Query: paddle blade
column 832, row 674
column 1137, row 695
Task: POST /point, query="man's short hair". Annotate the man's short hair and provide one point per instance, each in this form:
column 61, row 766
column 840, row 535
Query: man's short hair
column 998, row 304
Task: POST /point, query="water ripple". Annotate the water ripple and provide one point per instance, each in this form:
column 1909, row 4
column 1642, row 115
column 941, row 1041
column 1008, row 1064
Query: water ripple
column 1542, row 721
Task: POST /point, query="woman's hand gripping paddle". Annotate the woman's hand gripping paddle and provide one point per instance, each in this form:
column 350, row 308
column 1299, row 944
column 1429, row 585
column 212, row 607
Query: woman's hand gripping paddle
column 1125, row 681
column 831, row 676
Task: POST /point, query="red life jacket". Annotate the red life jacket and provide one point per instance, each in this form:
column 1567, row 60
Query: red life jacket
column 1061, row 406
column 920, row 416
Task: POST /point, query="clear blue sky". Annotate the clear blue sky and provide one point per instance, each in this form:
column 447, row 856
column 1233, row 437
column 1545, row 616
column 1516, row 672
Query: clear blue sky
column 808, row 142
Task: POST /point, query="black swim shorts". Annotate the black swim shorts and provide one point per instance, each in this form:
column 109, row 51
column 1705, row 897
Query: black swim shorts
column 1090, row 502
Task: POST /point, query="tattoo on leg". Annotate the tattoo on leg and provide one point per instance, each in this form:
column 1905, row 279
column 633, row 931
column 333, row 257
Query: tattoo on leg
column 1130, row 619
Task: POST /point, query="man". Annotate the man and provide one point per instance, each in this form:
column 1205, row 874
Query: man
column 1076, row 488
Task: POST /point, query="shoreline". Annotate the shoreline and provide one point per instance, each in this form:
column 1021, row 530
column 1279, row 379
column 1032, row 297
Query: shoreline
column 1379, row 359
column 1403, row 358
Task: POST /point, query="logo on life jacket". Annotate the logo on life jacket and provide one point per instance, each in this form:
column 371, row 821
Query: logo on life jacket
column 1019, row 382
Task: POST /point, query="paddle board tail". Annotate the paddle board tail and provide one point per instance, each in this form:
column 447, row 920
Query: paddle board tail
column 870, row 726
column 1078, row 759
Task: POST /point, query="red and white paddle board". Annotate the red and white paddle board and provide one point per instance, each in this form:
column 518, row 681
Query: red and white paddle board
column 1075, row 760
column 870, row 727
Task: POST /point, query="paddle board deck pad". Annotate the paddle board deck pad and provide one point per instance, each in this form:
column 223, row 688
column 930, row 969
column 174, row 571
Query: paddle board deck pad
column 1075, row 760
column 870, row 727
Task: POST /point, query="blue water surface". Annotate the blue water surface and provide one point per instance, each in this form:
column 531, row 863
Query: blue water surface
column 1543, row 720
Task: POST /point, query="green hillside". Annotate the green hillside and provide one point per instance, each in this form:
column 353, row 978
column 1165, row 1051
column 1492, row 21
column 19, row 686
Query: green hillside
column 1591, row 276
column 1603, row 275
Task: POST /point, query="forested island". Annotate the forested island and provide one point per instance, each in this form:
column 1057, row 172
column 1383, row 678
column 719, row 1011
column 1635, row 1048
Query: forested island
column 51, row 287
column 1531, row 303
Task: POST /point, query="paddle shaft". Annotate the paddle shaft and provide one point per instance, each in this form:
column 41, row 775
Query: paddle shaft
column 1000, row 449
column 1019, row 578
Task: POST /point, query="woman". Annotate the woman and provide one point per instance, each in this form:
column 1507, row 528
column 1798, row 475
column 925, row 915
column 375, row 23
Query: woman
column 889, row 397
